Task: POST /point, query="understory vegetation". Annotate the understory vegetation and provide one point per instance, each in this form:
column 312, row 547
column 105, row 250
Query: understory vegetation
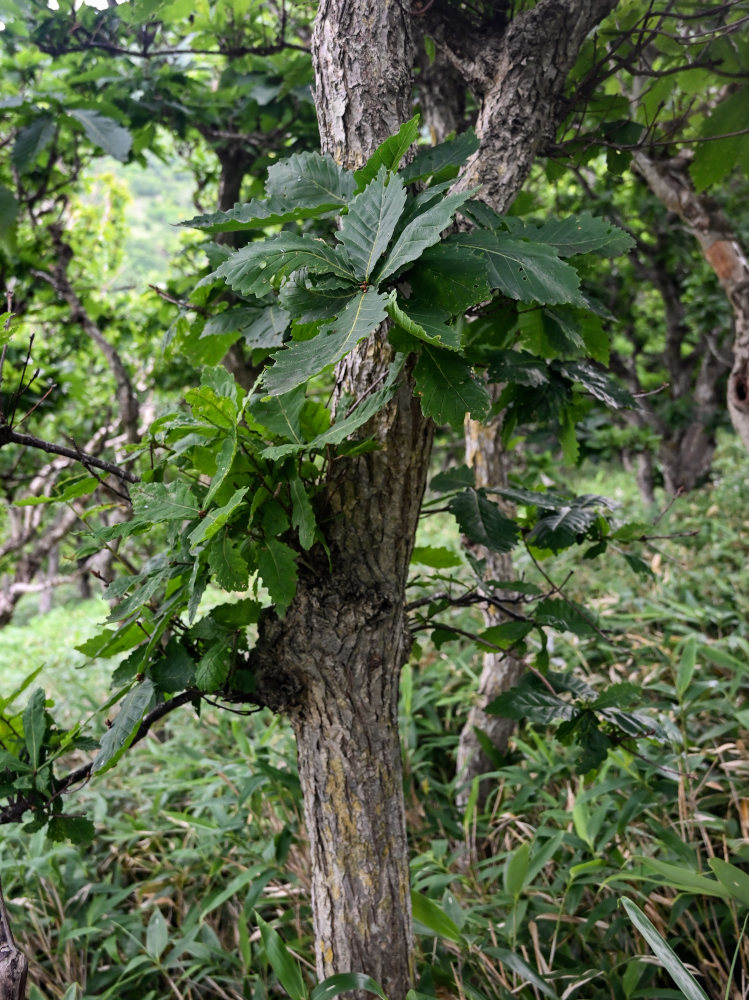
column 201, row 836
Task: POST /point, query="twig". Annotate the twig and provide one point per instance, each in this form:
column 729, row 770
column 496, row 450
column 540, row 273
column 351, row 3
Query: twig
column 9, row 436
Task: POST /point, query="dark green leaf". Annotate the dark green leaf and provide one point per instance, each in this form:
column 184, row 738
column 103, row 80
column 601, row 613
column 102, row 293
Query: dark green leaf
column 343, row 982
column 451, row 277
column 438, row 557
column 441, row 162
column 448, row 388
column 215, row 518
column 227, row 564
column 34, row 726
column 252, row 269
column 534, row 703
column 213, row 667
column 282, row 961
column 309, row 178
column 579, row 234
column 76, row 829
column 302, row 516
column 530, row 272
column 8, row 209
column 597, row 383
column 308, row 302
column 155, row 502
column 564, row 616
column 664, row 953
column 518, row 367
column 461, row 477
column 278, row 571
column 434, row 918
column 174, row 670
column 481, row 520
column 31, row 141
column 425, row 323
column 506, row 635
column 281, row 414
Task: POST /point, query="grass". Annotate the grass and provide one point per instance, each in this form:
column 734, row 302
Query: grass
column 200, row 831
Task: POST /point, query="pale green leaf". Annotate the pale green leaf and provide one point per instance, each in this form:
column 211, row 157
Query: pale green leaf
column 157, row 935
column 433, row 917
column 155, row 502
column 302, row 514
column 516, row 869
column 683, row 879
column 34, row 725
column 733, row 878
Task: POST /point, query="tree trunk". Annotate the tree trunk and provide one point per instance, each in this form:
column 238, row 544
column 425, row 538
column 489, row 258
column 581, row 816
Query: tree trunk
column 669, row 179
column 13, row 963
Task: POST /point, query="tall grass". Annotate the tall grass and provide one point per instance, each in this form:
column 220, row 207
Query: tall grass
column 200, row 831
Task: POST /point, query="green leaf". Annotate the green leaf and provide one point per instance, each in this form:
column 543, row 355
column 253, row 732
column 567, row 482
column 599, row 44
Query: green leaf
column 109, row 642
column 281, row 414
column 433, row 917
column 516, row 869
column 451, row 277
column 156, row 502
column 683, row 879
column 420, row 233
column 438, row 557
column 686, row 666
column 76, row 829
column 441, row 162
column 580, row 234
column 664, row 953
column 118, row 738
column 260, row 327
column 9, row 208
column 301, row 361
column 389, row 153
column 537, row 704
column 282, row 961
column 224, row 461
column 213, row 667
column 481, row 520
column 371, row 220
column 715, row 159
column 278, row 571
column 506, row 635
column 309, row 302
column 34, row 726
column 513, row 961
column 564, row 616
column 309, row 178
column 448, row 388
column 342, row 982
column 262, row 212
column 157, row 935
column 425, row 323
column 175, row 670
column 104, row 132
column 459, row 478
column 530, row 272
column 302, row 515
column 598, row 383
column 215, row 519
column 31, row 141
column 518, row 367
column 733, row 878
column 80, row 487
column 252, row 269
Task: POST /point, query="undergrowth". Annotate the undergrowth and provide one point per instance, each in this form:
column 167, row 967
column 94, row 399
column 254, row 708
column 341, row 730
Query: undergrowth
column 200, row 832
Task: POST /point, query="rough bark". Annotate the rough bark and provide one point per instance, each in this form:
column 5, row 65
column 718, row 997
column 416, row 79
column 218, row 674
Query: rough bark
column 520, row 78
column 669, row 179
column 13, row 963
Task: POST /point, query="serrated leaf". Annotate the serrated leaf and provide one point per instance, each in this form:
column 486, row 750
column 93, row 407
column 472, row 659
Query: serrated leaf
column 310, row 177
column 389, row 153
column 461, row 477
column 31, row 141
column 213, row 667
column 281, row 414
column 118, row 738
column 261, row 327
column 227, row 564
column 536, row 704
column 215, row 519
column 9, row 208
column 278, row 571
column 424, row 323
column 564, row 616
column 529, row 272
column 251, row 269
column 156, row 502
column 481, row 520
column 560, row 529
column 368, row 226
column 302, row 360
column 437, row 557
column 451, row 277
column 262, row 212
column 448, row 388
column 713, row 160
column 597, row 383
column 579, row 234
column 518, row 367
column 309, row 302
column 34, row 726
column 76, row 829
column 302, row 514
column 422, row 232
column 441, row 162
column 174, row 670
column 224, row 461
column 104, row 132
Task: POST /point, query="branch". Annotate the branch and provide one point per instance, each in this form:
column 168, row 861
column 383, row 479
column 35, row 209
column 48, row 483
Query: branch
column 9, row 436
column 12, row 813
